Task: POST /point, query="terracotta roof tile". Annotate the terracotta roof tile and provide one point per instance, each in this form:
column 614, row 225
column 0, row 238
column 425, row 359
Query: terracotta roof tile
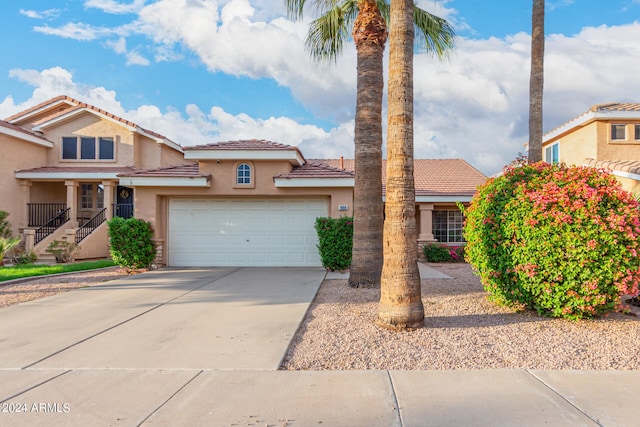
column 22, row 130
column 616, row 106
column 317, row 169
column 629, row 166
column 76, row 105
column 250, row 144
column 183, row 171
column 432, row 176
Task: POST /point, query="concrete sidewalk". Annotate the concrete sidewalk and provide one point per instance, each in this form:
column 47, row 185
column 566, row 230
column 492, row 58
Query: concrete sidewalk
column 198, row 347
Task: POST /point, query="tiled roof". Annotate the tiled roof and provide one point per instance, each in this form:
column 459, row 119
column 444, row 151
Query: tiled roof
column 182, row 171
column 432, row 176
column 249, row 144
column 80, row 169
column 629, row 166
column 616, row 106
column 76, row 105
column 22, row 130
column 317, row 169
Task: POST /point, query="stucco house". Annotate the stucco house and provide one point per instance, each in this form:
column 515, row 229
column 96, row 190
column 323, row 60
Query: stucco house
column 606, row 136
column 68, row 167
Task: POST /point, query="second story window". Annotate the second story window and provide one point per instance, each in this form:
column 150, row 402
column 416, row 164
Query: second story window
column 618, row 132
column 551, row 154
column 243, row 174
column 87, row 148
column 637, row 128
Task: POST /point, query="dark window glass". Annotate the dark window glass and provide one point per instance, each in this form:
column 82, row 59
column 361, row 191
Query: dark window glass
column 617, row 132
column 637, row 131
column 106, row 149
column 87, row 148
column 69, row 147
column 244, row 174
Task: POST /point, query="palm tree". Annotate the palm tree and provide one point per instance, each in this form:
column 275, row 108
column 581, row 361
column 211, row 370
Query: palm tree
column 536, row 82
column 400, row 306
column 327, row 35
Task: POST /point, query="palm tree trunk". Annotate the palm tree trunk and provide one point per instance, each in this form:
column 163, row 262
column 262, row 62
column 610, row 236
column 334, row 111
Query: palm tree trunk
column 536, row 82
column 370, row 34
column 400, row 306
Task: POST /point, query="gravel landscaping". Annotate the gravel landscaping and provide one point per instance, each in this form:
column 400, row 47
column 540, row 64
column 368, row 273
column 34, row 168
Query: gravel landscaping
column 462, row 330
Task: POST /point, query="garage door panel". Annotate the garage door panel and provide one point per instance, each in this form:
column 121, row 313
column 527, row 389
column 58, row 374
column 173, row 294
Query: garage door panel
column 233, row 232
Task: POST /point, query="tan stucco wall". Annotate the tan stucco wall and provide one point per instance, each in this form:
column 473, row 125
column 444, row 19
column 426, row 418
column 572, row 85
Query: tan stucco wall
column 17, row 155
column 576, row 146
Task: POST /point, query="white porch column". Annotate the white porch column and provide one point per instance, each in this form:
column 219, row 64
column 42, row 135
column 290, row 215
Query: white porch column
column 25, row 194
column 108, row 198
column 72, row 202
column 426, row 223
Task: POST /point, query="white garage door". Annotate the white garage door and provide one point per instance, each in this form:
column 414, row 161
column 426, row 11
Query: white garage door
column 235, row 232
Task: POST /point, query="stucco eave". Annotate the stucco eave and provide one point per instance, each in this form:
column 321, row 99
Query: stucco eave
column 165, row 182
column 313, row 182
column 49, row 176
column 26, row 137
column 288, row 155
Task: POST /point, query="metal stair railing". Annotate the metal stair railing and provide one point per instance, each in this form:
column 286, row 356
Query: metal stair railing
column 88, row 227
column 52, row 225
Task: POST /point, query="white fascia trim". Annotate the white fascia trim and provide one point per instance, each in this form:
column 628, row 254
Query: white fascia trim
column 289, row 155
column 67, row 175
column 164, row 141
column 313, row 182
column 26, row 137
column 164, row 182
column 588, row 117
column 64, row 117
column 439, row 199
column 626, row 175
column 39, row 110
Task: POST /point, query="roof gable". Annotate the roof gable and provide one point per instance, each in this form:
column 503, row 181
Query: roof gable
column 15, row 131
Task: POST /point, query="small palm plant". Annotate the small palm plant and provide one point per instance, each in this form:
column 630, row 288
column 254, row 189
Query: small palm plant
column 6, row 244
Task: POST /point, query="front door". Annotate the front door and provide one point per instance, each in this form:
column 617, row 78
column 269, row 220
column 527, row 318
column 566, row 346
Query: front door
column 124, row 202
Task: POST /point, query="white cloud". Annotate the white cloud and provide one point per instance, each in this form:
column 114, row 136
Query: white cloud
column 40, row 14
column 114, row 7
column 474, row 105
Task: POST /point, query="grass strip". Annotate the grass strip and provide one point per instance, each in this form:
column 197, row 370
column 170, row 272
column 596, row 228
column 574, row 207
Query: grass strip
column 32, row 270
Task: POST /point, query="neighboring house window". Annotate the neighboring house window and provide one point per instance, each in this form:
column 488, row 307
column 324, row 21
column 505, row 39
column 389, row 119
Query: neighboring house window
column 88, row 148
column 551, row 154
column 447, row 226
column 243, row 174
column 637, row 132
column 618, row 132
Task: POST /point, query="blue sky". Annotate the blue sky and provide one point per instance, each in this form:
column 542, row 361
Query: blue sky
column 203, row 71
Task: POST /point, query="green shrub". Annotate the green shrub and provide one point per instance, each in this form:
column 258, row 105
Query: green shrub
column 22, row 257
column 557, row 239
column 435, row 252
column 130, row 242
column 63, row 251
column 5, row 226
column 335, row 236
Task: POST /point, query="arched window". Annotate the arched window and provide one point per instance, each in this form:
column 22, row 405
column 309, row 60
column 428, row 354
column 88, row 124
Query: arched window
column 243, row 174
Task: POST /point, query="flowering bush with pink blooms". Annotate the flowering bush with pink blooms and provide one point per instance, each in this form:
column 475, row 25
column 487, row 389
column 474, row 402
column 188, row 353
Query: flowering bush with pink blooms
column 557, row 239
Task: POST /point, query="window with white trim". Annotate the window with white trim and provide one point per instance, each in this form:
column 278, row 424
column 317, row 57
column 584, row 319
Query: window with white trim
column 551, row 153
column 243, row 174
column 88, row 148
column 618, row 132
column 447, row 226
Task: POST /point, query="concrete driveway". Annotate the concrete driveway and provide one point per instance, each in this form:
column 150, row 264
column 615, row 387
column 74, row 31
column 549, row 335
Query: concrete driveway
column 207, row 318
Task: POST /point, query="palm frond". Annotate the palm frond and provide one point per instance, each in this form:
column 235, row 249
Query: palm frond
column 328, row 33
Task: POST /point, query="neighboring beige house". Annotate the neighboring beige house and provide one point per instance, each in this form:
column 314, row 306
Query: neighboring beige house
column 72, row 166
column 606, row 136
